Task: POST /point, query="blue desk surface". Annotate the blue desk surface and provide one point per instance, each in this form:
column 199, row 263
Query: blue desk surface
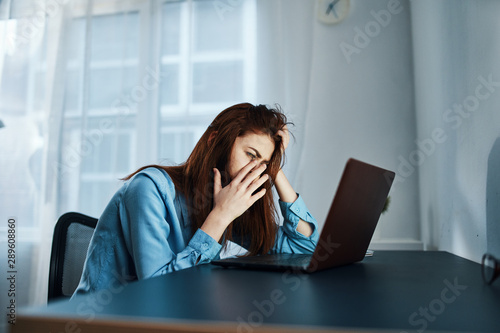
column 403, row 291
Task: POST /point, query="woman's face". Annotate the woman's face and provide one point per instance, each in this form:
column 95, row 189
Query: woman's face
column 250, row 147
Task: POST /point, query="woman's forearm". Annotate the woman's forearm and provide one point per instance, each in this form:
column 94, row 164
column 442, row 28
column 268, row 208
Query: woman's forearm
column 288, row 194
column 215, row 225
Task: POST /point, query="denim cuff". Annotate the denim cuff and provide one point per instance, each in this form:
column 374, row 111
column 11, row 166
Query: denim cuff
column 294, row 212
column 205, row 245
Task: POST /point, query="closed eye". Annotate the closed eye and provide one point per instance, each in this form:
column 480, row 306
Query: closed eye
column 256, row 155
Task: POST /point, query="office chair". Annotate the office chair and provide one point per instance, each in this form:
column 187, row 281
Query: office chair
column 72, row 235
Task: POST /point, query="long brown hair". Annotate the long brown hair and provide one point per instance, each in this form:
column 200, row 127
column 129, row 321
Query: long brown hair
column 194, row 178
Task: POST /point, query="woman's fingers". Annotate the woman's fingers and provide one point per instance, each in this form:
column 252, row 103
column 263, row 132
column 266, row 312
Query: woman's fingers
column 253, row 174
column 257, row 183
column 257, row 196
column 235, row 198
column 285, row 136
column 244, row 172
column 217, row 181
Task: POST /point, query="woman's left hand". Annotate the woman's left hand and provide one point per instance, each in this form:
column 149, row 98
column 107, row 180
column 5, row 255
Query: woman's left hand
column 285, row 137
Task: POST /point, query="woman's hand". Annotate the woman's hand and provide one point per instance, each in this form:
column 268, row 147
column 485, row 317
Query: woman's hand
column 285, row 138
column 235, row 198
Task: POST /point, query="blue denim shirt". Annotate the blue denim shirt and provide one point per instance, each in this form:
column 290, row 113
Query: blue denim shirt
column 145, row 231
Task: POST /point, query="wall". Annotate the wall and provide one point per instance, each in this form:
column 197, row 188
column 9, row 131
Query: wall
column 361, row 105
column 457, row 93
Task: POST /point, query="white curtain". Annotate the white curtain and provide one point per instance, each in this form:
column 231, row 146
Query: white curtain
column 92, row 90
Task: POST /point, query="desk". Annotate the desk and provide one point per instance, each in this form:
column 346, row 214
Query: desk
column 399, row 291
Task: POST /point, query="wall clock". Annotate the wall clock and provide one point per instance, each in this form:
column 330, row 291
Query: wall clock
column 332, row 11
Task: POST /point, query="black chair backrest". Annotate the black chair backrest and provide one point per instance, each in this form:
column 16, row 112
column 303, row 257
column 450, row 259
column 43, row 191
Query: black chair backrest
column 72, row 235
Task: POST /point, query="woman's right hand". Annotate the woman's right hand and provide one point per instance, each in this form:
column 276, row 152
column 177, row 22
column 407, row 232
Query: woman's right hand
column 235, row 198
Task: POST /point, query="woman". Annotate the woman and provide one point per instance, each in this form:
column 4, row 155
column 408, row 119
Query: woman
column 165, row 219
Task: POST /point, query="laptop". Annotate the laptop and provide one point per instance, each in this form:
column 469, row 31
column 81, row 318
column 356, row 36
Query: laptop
column 347, row 231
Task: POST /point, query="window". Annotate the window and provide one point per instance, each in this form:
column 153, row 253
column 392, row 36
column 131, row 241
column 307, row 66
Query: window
column 99, row 134
column 22, row 92
column 144, row 87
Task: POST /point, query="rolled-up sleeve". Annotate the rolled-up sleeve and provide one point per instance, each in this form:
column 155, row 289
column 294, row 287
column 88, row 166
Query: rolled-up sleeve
column 152, row 233
column 289, row 240
column 205, row 247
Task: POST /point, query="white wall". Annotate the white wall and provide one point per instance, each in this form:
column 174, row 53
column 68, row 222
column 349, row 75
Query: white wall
column 361, row 104
column 456, row 48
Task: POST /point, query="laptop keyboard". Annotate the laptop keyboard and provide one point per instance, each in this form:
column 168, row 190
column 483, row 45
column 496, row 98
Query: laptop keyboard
column 297, row 260
column 284, row 259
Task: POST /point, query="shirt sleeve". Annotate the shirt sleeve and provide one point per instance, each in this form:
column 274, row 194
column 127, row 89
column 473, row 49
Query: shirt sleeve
column 151, row 224
column 289, row 240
